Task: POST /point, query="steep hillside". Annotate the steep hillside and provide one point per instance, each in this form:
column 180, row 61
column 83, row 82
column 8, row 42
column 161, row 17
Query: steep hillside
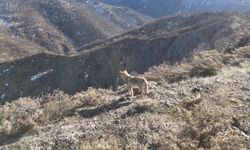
column 162, row 8
column 179, row 36
column 99, row 63
column 205, row 111
column 122, row 16
column 77, row 22
column 60, row 26
column 12, row 48
column 23, row 22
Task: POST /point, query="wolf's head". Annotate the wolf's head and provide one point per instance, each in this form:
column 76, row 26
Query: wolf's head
column 125, row 71
column 124, row 74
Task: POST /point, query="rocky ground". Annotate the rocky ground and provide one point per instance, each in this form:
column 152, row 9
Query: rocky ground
column 198, row 104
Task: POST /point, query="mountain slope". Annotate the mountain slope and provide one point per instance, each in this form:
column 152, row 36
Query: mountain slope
column 179, row 36
column 210, row 112
column 162, row 8
column 122, row 16
column 77, row 22
column 12, row 48
column 22, row 21
column 60, row 26
column 98, row 64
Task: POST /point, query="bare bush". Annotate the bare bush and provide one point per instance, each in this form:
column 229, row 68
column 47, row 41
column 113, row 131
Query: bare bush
column 24, row 113
column 206, row 64
column 202, row 65
column 168, row 73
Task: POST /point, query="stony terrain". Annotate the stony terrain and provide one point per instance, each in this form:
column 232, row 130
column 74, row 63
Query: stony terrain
column 202, row 103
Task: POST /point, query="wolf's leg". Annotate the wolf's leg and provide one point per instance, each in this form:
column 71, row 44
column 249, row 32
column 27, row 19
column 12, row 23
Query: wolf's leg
column 132, row 92
column 129, row 90
column 142, row 92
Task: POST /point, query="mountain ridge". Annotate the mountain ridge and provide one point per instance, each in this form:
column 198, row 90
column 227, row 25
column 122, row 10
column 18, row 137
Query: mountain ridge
column 60, row 26
column 98, row 65
column 163, row 8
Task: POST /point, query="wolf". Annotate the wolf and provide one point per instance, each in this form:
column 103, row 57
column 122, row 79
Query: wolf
column 135, row 82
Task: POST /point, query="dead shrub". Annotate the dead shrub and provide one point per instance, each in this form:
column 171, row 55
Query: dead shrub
column 230, row 140
column 141, row 107
column 58, row 104
column 206, row 64
column 203, row 64
column 243, row 52
column 54, row 106
column 168, row 73
column 91, row 97
column 17, row 118
column 43, row 110
column 204, row 122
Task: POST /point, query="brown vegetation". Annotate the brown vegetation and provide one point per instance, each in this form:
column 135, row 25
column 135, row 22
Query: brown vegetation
column 203, row 64
column 208, row 112
column 26, row 113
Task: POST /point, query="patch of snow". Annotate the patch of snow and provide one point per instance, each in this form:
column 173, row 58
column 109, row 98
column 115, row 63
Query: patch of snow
column 40, row 74
column 8, row 69
column 4, row 23
column 6, row 84
column 86, row 73
column 3, row 96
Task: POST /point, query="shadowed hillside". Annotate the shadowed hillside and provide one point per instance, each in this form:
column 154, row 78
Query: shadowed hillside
column 99, row 63
column 182, row 34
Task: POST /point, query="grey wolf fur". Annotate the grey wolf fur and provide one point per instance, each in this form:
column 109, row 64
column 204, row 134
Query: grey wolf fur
column 135, row 82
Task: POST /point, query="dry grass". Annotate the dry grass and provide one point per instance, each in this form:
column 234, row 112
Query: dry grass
column 243, row 52
column 168, row 73
column 216, row 116
column 203, row 64
column 107, row 143
column 17, row 116
column 206, row 64
column 58, row 104
column 207, row 126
